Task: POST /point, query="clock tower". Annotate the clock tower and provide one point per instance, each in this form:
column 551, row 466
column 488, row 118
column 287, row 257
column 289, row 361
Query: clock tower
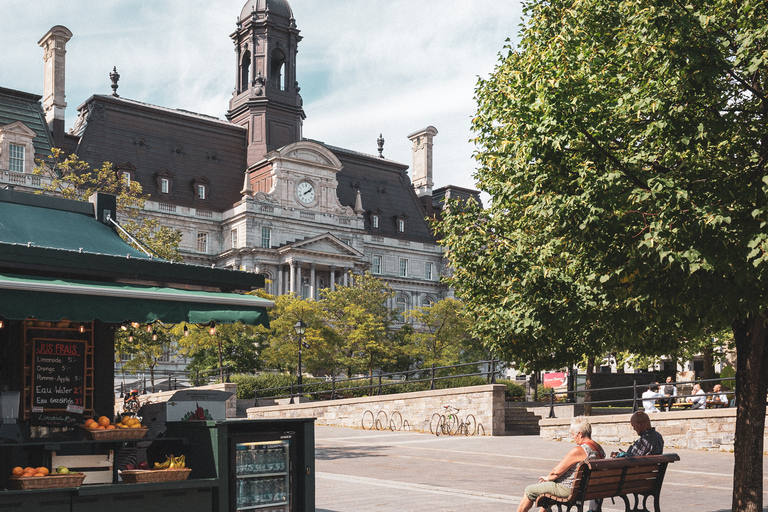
column 266, row 100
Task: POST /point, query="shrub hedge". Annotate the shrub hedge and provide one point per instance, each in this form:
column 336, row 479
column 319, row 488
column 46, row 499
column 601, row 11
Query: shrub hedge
column 313, row 387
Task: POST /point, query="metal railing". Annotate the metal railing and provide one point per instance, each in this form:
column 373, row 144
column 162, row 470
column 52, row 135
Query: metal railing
column 571, row 395
column 171, row 379
column 382, row 380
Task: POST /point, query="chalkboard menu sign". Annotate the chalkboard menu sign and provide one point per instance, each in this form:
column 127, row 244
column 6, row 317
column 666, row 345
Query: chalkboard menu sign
column 58, row 377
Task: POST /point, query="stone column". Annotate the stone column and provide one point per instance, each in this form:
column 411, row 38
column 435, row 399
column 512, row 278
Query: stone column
column 279, row 289
column 333, row 278
column 292, row 277
column 312, row 282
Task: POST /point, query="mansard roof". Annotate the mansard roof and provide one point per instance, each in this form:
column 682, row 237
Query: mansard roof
column 19, row 106
column 386, row 190
column 152, row 139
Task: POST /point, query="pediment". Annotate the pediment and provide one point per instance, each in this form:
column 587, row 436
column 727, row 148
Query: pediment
column 324, row 244
column 311, row 152
column 18, row 128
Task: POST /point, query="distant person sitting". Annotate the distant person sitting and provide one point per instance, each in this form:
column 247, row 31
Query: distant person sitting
column 699, row 400
column 669, row 391
column 650, row 442
column 720, row 397
column 650, row 396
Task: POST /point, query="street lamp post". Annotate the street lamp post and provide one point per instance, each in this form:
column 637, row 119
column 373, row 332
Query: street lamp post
column 300, row 327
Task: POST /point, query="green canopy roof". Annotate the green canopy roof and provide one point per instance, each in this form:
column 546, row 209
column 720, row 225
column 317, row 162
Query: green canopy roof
column 51, row 299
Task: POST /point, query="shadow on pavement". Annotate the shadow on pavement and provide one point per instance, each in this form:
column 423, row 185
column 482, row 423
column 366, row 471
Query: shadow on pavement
column 344, row 453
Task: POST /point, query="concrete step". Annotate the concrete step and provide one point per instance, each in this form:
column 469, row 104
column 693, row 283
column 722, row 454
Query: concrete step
column 520, row 421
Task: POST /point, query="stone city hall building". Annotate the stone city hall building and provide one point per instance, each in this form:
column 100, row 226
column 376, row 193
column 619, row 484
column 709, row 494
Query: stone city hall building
column 248, row 192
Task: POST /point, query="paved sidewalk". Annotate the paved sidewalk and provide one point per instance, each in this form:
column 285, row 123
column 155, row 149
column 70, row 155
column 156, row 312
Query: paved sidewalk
column 361, row 471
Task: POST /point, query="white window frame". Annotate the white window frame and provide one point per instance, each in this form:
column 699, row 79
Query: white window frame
column 266, row 238
column 428, row 271
column 16, row 161
column 235, row 241
column 400, row 225
column 375, row 221
column 202, row 242
column 376, row 264
column 165, row 185
column 127, row 178
column 403, row 267
column 201, row 191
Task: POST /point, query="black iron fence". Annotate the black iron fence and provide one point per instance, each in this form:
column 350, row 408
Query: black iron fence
column 169, row 380
column 568, row 398
column 334, row 388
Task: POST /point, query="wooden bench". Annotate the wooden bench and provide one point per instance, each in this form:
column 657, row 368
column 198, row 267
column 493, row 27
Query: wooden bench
column 633, row 479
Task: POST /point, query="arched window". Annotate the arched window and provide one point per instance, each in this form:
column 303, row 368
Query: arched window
column 277, row 69
column 401, row 305
column 245, row 67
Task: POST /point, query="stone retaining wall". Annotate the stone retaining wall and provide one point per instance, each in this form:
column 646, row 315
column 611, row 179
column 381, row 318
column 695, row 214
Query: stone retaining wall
column 711, row 429
column 486, row 403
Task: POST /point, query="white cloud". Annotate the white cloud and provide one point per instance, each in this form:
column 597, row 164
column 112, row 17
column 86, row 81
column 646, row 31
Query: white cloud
column 365, row 66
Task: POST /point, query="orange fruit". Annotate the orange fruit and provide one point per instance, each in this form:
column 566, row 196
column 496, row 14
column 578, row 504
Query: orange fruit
column 17, row 471
column 110, row 427
column 101, row 427
column 43, row 471
column 89, row 421
column 104, row 421
column 93, row 425
column 29, row 472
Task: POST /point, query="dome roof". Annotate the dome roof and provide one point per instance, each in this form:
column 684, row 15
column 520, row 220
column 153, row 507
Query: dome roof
column 276, row 7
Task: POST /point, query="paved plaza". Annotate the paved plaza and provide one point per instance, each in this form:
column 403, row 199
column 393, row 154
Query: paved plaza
column 361, row 471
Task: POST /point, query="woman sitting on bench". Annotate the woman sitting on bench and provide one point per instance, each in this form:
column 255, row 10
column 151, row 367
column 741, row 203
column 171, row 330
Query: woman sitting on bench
column 559, row 481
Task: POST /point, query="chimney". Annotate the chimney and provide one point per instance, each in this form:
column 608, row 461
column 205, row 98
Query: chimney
column 422, row 160
column 54, row 45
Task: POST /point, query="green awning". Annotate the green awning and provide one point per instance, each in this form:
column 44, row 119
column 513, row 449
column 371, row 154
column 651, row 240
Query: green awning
column 51, row 299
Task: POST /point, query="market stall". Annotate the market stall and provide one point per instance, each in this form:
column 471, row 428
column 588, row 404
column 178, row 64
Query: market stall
column 67, row 282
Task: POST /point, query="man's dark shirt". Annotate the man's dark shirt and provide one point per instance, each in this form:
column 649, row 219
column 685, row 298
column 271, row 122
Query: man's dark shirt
column 650, row 443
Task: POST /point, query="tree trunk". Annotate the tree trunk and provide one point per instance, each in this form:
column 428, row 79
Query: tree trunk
column 532, row 382
column 221, row 361
column 709, row 367
column 588, row 386
column 152, row 377
column 751, row 385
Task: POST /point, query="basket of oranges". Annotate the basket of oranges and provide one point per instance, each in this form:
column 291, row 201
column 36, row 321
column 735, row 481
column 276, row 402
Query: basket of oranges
column 103, row 429
column 40, row 478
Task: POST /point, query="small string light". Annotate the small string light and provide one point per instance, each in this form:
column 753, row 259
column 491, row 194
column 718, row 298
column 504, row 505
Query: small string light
column 213, row 328
column 149, row 328
column 130, row 338
column 2, row 324
column 186, row 330
column 82, row 327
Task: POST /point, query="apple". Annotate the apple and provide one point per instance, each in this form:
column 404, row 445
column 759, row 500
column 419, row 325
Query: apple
column 129, row 467
column 62, row 470
column 143, row 465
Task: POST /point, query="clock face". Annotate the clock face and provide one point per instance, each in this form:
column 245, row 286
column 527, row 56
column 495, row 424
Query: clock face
column 306, row 192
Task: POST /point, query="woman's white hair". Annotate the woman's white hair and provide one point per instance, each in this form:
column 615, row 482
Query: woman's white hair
column 581, row 424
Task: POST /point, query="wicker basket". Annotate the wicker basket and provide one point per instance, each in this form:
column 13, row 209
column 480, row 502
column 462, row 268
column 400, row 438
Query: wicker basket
column 115, row 434
column 45, row 482
column 140, row 476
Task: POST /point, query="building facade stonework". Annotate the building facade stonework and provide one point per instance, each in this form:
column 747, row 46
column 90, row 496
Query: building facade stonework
column 250, row 192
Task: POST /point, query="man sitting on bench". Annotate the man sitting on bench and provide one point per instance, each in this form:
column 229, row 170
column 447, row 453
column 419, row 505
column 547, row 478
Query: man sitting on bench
column 650, row 442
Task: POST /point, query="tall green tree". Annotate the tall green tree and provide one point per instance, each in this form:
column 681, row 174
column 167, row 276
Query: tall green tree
column 360, row 320
column 282, row 342
column 624, row 145
column 145, row 347
column 72, row 178
column 442, row 335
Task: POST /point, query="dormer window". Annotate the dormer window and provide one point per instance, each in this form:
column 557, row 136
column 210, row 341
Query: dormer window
column 400, row 222
column 164, row 183
column 375, row 221
column 17, row 153
column 201, row 187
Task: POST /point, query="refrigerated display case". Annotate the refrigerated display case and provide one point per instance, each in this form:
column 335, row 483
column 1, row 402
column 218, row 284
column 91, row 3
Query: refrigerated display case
column 262, row 475
column 261, row 465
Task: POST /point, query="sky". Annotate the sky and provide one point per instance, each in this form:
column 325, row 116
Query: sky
column 365, row 67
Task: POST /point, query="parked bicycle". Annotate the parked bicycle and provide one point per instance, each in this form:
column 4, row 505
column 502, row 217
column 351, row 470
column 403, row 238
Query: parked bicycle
column 449, row 423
